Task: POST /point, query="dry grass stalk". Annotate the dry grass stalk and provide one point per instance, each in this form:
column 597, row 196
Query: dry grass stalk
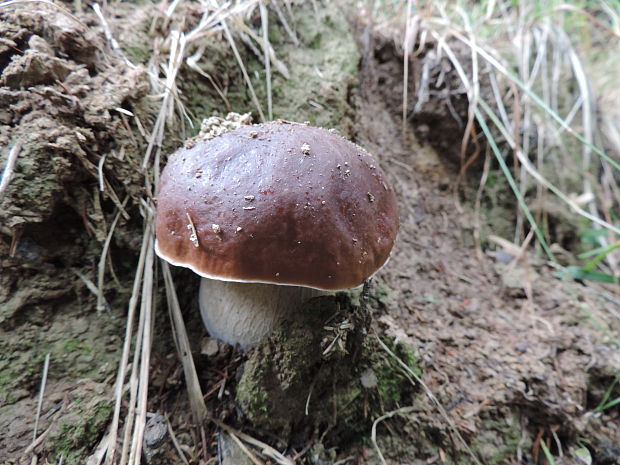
column 266, row 47
column 108, row 35
column 410, row 35
column 246, row 33
column 98, row 455
column 525, row 163
column 266, row 449
column 120, row 380
column 184, row 349
column 478, row 203
column 60, row 8
column 147, row 320
column 411, row 375
column 284, row 22
column 101, row 304
column 248, row 81
column 46, row 366
column 245, row 450
column 175, row 442
column 92, row 288
column 373, row 431
column 541, row 110
column 170, row 95
column 11, row 159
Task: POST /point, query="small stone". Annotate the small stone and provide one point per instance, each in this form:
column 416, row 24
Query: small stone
column 521, row 347
column 155, row 434
column 209, row 347
column 369, row 379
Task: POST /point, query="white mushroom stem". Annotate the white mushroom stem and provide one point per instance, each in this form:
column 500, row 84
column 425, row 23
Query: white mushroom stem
column 245, row 313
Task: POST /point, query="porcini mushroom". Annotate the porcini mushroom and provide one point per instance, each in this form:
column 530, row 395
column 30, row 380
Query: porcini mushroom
column 270, row 215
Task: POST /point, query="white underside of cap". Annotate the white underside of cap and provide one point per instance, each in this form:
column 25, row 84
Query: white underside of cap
column 220, row 278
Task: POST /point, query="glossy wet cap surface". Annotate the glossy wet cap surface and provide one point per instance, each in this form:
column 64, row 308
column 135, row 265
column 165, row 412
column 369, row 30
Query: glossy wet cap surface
column 280, row 203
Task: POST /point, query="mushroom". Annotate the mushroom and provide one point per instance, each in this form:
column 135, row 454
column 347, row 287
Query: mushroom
column 270, row 215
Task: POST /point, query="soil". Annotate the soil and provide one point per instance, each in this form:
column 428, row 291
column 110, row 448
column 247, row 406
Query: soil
column 515, row 355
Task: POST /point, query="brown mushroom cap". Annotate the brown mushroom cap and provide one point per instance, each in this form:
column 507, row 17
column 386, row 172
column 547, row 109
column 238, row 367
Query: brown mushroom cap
column 280, row 203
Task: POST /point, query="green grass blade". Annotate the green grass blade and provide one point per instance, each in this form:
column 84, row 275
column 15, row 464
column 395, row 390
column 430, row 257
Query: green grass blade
column 502, row 69
column 605, row 249
column 604, row 403
column 539, row 178
column 611, row 404
column 513, row 184
column 602, row 254
column 577, row 272
column 547, row 453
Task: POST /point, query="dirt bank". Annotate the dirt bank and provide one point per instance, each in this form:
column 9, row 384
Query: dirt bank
column 514, row 355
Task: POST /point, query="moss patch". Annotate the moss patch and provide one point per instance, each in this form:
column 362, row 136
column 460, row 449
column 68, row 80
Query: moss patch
column 320, row 72
column 303, row 380
column 82, row 426
column 500, row 439
column 81, row 345
column 323, row 68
